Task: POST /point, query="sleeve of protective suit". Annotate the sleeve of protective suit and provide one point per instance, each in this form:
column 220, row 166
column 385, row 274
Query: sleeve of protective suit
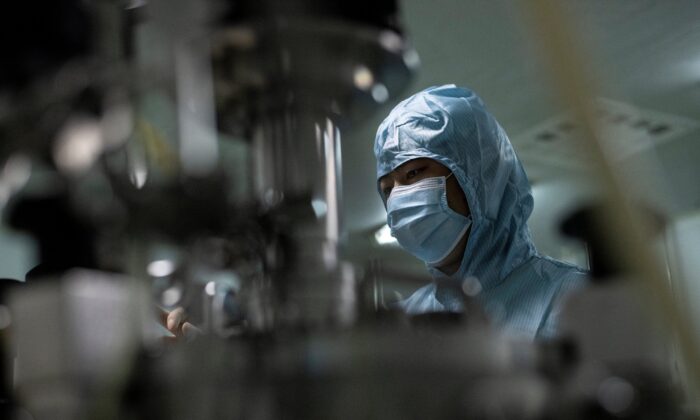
column 570, row 280
column 452, row 126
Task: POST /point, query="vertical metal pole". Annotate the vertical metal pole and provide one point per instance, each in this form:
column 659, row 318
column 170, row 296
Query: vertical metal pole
column 298, row 170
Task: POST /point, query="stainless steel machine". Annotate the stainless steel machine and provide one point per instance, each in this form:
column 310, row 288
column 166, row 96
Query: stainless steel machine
column 181, row 153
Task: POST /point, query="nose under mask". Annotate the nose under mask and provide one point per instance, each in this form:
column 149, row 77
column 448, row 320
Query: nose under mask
column 422, row 222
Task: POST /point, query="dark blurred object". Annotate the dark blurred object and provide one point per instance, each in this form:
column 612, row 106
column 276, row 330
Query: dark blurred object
column 65, row 240
column 612, row 326
column 558, row 358
column 61, row 62
column 39, row 37
column 620, row 393
column 586, row 224
column 9, row 409
column 381, row 14
column 200, row 206
column 339, row 59
column 39, row 41
column 290, row 77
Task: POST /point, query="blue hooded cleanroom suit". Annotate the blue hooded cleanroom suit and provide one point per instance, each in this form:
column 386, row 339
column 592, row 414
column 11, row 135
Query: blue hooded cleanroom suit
column 520, row 289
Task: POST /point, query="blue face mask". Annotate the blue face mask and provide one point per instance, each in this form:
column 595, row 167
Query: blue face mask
column 422, row 222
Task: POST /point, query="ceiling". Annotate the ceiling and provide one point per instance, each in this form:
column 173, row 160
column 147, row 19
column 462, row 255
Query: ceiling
column 644, row 53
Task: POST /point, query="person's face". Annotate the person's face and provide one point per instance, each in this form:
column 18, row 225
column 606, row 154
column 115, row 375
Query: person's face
column 417, row 169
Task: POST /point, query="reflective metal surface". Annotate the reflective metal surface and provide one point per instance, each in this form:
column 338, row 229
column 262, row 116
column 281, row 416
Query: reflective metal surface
column 190, row 156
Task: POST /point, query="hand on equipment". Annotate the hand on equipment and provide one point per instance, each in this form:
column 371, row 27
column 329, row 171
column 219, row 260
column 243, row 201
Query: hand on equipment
column 176, row 323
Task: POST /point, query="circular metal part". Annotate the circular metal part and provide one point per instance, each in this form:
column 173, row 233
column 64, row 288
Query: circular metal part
column 331, row 66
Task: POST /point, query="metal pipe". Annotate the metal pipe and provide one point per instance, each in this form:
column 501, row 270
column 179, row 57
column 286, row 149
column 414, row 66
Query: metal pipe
column 298, row 182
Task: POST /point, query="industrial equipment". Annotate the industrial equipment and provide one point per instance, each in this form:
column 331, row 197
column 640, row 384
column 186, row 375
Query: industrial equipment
column 170, row 153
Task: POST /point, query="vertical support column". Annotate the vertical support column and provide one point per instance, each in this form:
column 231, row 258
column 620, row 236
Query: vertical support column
column 298, row 181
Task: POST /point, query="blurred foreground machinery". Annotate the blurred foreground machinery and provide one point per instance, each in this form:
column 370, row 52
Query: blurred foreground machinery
column 129, row 215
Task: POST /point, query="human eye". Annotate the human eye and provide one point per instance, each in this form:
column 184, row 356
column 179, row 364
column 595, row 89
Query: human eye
column 413, row 173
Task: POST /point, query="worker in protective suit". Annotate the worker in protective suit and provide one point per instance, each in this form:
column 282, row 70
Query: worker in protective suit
column 458, row 198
